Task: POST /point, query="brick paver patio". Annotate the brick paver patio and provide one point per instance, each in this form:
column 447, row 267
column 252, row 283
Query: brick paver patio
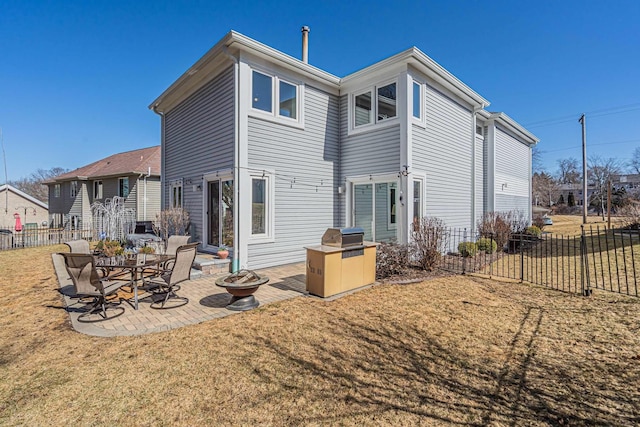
column 206, row 301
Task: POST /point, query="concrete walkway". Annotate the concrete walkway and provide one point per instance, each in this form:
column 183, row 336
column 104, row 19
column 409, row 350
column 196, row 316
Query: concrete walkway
column 206, row 301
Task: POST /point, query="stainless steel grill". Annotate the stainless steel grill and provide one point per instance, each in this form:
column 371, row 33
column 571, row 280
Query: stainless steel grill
column 343, row 237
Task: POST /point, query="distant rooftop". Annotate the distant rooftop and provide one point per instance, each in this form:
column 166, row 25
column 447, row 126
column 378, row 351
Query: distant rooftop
column 129, row 162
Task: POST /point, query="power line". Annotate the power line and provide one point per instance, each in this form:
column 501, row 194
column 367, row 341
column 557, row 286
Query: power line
column 592, row 145
column 594, row 113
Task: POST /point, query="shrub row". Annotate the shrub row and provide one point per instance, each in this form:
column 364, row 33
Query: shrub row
column 469, row 249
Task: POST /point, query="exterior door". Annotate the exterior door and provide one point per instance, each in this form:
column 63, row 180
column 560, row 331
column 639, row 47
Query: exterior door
column 363, row 209
column 220, row 213
column 374, row 210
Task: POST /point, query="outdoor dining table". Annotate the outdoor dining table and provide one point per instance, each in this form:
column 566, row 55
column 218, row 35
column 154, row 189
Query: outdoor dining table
column 136, row 265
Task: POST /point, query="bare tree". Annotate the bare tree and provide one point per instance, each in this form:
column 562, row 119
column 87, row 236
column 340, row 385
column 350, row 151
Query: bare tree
column 545, row 189
column 568, row 172
column 634, row 164
column 599, row 173
column 34, row 185
column 536, row 159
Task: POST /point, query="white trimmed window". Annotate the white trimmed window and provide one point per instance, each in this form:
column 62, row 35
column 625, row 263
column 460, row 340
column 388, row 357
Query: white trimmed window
column 123, row 187
column 73, row 189
column 418, row 100
column 97, row 190
column 175, row 194
column 374, row 105
column 56, row 190
column 262, row 206
column 391, row 196
column 417, row 200
column 272, row 95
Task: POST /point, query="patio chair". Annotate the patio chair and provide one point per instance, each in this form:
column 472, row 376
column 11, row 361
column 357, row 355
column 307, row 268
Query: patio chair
column 173, row 243
column 79, row 246
column 87, row 283
column 167, row 284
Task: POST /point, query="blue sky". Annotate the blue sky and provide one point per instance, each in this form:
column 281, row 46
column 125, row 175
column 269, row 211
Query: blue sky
column 76, row 76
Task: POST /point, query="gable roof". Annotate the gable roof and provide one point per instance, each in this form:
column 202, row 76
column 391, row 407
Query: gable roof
column 127, row 163
column 23, row 195
column 220, row 56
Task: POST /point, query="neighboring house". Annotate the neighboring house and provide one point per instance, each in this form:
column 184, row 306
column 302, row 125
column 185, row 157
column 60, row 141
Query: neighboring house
column 629, row 182
column 266, row 151
column 134, row 175
column 30, row 209
column 574, row 191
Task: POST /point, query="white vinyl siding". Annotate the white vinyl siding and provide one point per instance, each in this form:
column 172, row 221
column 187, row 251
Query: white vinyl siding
column 442, row 151
column 512, row 170
column 479, row 187
column 373, row 152
column 304, row 162
column 199, row 139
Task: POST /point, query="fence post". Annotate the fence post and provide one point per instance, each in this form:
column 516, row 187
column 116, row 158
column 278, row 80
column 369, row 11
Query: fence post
column 521, row 259
column 464, row 258
column 584, row 265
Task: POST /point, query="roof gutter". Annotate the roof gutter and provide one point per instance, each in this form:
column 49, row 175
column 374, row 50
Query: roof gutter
column 514, row 126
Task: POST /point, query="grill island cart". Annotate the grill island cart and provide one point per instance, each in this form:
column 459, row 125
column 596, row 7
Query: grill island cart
column 342, row 262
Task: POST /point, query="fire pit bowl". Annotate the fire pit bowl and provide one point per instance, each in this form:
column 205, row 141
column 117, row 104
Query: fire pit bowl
column 241, row 285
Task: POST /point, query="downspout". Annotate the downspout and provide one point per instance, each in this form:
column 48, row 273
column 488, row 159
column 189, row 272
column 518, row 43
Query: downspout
column 144, row 215
column 237, row 251
column 473, row 166
column 162, row 155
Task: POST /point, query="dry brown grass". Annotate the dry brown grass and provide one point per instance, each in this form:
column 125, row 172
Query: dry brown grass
column 453, row 350
column 569, row 225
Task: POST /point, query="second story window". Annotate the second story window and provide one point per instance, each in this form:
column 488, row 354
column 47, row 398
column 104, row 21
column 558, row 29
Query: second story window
column 123, row 187
column 363, row 109
column 374, row 105
column 287, row 100
column 275, row 96
column 97, row 189
column 261, row 92
column 74, row 189
column 56, row 190
column 387, row 102
column 417, row 101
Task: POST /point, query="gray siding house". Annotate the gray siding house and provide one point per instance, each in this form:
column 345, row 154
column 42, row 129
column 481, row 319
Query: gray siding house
column 266, row 151
column 134, row 175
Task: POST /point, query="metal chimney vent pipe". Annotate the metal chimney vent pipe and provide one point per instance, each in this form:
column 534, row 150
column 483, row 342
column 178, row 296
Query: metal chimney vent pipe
column 305, row 44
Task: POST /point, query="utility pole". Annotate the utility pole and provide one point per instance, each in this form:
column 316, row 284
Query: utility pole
column 583, row 121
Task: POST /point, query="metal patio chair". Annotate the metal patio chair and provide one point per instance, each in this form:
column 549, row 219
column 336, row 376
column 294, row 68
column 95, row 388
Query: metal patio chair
column 168, row 283
column 87, row 283
column 79, row 246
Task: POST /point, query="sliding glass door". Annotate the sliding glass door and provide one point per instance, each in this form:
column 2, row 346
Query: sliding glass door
column 375, row 210
column 220, row 213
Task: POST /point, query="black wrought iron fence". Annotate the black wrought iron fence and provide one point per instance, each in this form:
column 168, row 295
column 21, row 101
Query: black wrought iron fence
column 598, row 258
column 30, row 237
